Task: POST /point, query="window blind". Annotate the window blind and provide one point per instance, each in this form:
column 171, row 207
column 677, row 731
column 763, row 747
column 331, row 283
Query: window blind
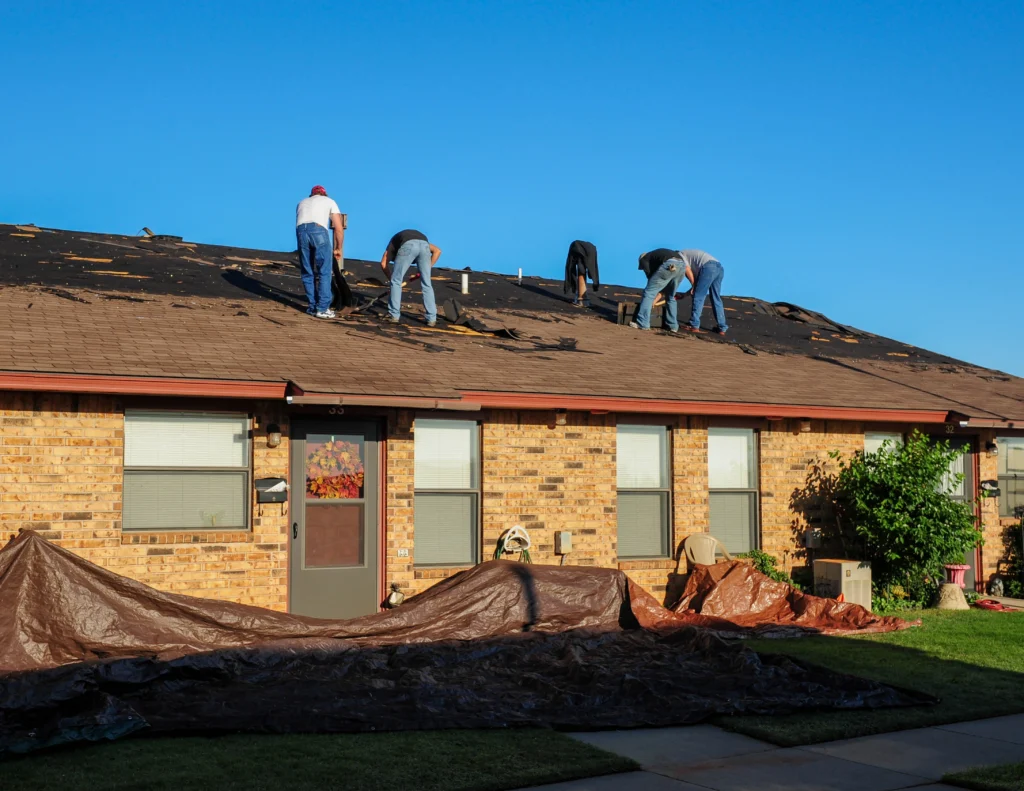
column 641, row 454
column 1011, row 455
column 874, row 440
column 445, row 454
column 184, row 500
column 445, row 529
column 950, row 485
column 732, row 519
column 731, row 458
column 642, row 522
column 169, row 439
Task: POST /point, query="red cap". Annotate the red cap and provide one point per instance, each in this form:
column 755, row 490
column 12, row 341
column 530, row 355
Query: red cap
column 318, row 190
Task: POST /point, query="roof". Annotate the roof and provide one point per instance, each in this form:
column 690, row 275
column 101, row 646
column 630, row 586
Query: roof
column 158, row 307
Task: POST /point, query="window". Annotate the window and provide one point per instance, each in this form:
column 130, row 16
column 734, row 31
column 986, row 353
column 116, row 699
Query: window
column 1011, row 474
column 874, row 440
column 643, row 491
column 186, row 471
column 447, row 457
column 732, row 484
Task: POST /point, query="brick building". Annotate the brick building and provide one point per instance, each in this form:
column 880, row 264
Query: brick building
column 147, row 384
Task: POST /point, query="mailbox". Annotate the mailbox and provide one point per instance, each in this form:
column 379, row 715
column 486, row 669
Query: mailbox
column 271, row 490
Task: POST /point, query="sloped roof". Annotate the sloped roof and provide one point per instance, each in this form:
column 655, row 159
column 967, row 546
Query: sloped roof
column 107, row 305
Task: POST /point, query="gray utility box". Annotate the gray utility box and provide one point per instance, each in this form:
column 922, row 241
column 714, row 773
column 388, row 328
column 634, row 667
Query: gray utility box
column 852, row 578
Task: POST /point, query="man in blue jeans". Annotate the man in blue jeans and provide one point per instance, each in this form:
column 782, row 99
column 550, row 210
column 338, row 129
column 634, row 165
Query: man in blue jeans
column 665, row 270
column 313, row 218
column 406, row 248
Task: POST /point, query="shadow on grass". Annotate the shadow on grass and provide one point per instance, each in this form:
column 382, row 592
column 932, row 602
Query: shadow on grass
column 972, row 661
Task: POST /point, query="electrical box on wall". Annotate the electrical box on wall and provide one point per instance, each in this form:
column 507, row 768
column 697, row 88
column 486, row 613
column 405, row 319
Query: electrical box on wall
column 563, row 542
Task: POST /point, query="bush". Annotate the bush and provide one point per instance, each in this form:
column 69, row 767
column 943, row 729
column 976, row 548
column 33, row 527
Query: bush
column 1013, row 580
column 765, row 563
column 893, row 509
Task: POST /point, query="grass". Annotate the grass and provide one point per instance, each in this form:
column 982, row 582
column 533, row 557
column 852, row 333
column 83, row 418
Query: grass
column 1009, row 777
column 450, row 760
column 972, row 660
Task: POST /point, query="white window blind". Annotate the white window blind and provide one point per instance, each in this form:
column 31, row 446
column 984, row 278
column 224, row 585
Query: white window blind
column 732, row 481
column 641, row 455
column 950, row 484
column 185, row 470
column 642, row 522
column 1011, row 474
column 874, row 440
column 168, row 439
column 730, row 458
column 445, row 453
column 445, row 532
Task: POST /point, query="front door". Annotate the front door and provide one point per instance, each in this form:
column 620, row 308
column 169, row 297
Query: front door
column 963, row 492
column 334, row 533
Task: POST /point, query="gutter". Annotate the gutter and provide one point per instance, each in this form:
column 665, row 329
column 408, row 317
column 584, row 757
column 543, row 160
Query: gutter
column 398, row 402
column 141, row 385
column 496, row 400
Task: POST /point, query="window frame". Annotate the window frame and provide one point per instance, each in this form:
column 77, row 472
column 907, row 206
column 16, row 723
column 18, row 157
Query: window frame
column 666, row 490
column 474, row 494
column 1005, row 512
column 890, row 435
column 247, row 470
column 754, row 492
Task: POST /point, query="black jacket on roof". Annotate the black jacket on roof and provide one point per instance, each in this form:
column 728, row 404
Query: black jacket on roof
column 582, row 260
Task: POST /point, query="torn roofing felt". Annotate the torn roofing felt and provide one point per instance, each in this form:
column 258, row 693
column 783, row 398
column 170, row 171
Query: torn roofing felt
column 73, row 302
column 86, row 654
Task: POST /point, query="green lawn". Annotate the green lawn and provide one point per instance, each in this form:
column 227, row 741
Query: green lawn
column 477, row 760
column 972, row 660
column 1009, row 777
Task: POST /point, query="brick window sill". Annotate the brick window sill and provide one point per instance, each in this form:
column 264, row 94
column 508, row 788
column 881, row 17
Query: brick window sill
column 647, row 563
column 187, row 537
column 438, row 572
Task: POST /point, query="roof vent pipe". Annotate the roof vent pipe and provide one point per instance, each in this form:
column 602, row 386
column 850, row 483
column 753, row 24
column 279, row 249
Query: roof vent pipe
column 465, row 282
column 520, row 276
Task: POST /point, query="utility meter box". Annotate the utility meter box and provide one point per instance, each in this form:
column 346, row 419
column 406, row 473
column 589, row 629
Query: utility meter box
column 851, row 578
column 563, row 542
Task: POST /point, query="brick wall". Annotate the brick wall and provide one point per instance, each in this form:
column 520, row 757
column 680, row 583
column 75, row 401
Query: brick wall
column 61, row 472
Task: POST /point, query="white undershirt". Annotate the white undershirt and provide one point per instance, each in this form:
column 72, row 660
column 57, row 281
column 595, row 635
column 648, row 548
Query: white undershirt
column 316, row 208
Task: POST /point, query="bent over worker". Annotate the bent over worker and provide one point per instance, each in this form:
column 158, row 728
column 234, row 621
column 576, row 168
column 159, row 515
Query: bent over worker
column 581, row 263
column 664, row 271
column 406, row 248
column 705, row 274
column 314, row 216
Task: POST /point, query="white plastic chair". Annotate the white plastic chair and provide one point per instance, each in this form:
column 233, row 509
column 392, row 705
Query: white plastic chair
column 701, row 548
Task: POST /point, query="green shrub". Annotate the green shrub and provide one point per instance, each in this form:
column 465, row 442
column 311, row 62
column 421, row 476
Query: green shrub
column 1013, row 579
column 766, row 563
column 893, row 509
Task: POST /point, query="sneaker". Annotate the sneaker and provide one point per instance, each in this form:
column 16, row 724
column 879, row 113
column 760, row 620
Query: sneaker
column 391, row 319
column 432, row 323
column 636, row 326
column 673, row 331
column 326, row 314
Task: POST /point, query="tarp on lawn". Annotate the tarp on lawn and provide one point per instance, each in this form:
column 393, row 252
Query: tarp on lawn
column 739, row 593
column 86, row 654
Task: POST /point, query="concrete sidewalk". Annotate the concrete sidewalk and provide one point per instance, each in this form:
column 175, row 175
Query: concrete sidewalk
column 704, row 757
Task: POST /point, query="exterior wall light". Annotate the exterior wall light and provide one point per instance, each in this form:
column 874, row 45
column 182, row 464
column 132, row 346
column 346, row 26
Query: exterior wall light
column 273, row 435
column 992, row 448
column 805, row 426
column 560, row 417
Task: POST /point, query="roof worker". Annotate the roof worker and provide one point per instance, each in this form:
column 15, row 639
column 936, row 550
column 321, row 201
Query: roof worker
column 705, row 274
column 580, row 264
column 406, row 248
column 664, row 271
column 314, row 216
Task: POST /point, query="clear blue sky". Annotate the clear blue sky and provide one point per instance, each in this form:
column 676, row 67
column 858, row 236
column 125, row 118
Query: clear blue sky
column 864, row 159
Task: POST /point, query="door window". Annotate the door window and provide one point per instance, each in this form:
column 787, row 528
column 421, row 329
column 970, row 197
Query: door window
column 335, row 477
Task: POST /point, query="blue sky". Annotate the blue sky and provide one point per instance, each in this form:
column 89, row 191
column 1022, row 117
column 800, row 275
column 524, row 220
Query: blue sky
column 863, row 159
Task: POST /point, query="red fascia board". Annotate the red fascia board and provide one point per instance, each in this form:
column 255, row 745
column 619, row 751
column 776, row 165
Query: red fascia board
column 494, row 400
column 140, row 385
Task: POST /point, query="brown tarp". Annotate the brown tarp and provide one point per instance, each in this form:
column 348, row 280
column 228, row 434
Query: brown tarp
column 739, row 593
column 86, row 654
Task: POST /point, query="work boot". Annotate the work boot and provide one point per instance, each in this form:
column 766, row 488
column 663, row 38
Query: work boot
column 718, row 331
column 432, row 322
column 694, row 330
column 389, row 319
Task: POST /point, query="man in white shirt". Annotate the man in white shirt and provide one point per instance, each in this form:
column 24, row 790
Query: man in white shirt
column 314, row 216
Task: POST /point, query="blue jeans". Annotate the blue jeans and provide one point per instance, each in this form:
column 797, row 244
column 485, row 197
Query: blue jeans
column 315, row 262
column 415, row 251
column 664, row 280
column 709, row 280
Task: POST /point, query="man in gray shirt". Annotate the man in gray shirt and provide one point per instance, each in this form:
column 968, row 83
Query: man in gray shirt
column 705, row 275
